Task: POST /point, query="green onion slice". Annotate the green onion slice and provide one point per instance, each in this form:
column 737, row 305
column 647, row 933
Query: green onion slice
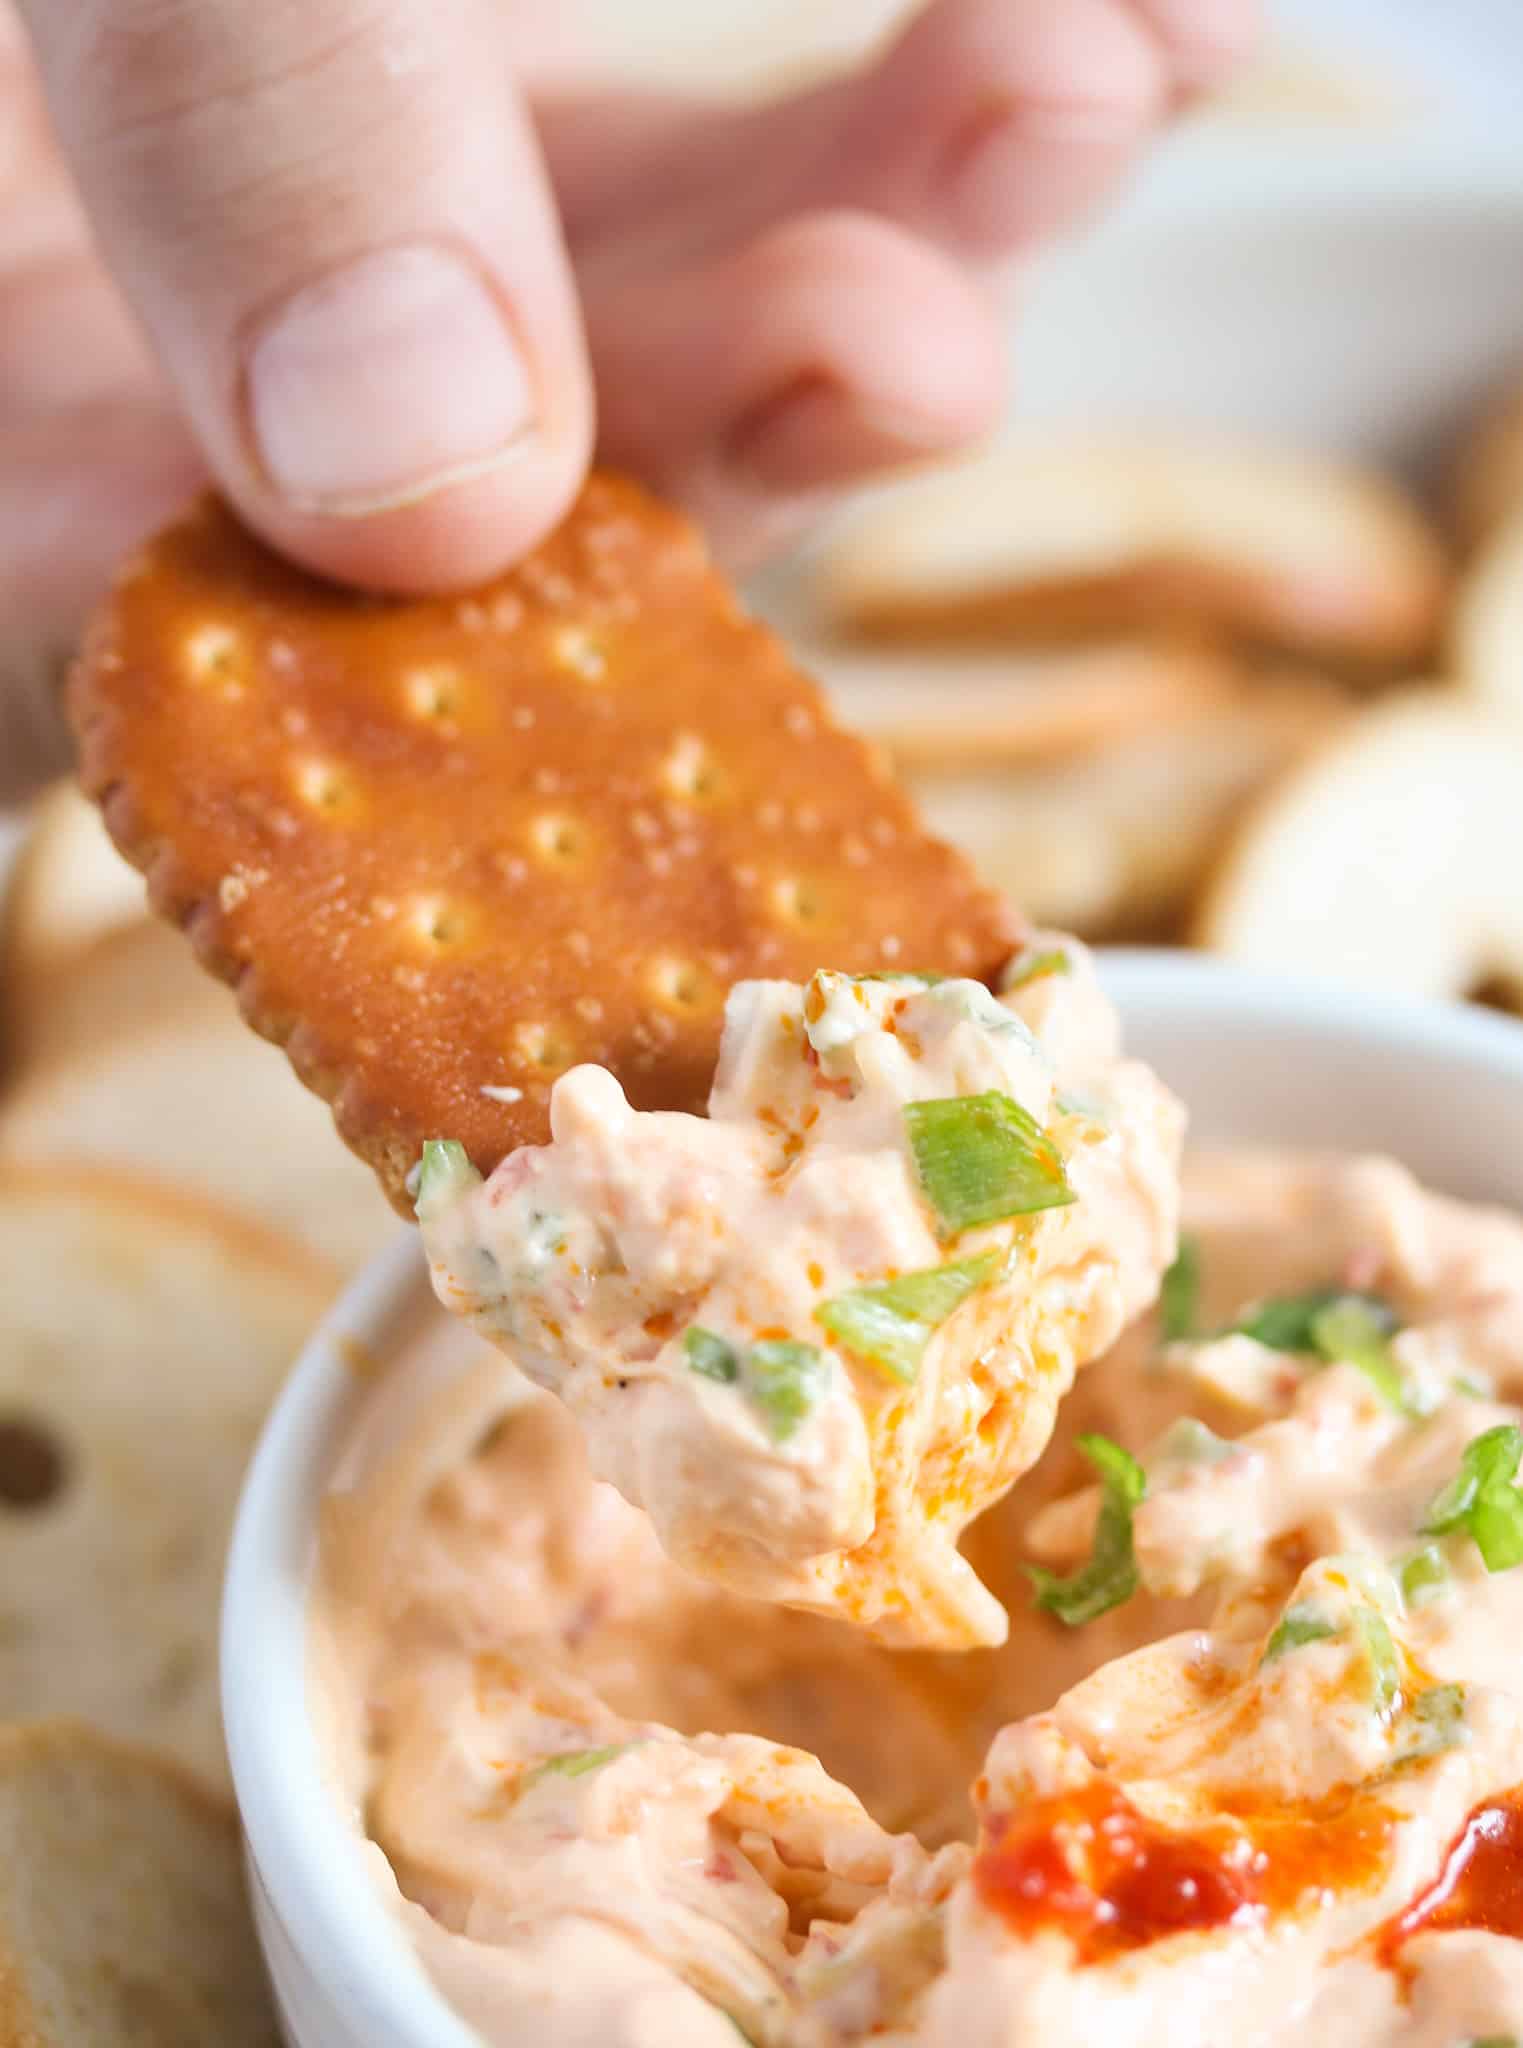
column 711, row 1355
column 784, row 1379
column 1380, row 1649
column 1110, row 1576
column 1439, row 1711
column 576, row 1763
column 781, row 1377
column 1287, row 1322
column 444, row 1174
column 1032, row 967
column 1483, row 1500
column 890, row 1324
column 1179, row 1294
column 983, row 1157
column 1296, row 1627
column 1422, row 1575
column 1352, row 1330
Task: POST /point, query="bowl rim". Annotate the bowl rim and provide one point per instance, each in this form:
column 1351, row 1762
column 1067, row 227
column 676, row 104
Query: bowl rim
column 319, row 1882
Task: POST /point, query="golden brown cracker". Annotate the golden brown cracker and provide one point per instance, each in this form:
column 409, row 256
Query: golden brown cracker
column 123, row 1914
column 1485, row 480
column 1055, row 539
column 447, row 848
column 956, row 715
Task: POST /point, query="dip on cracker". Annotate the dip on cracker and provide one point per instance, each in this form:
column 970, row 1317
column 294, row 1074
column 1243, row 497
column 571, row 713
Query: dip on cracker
column 817, row 1331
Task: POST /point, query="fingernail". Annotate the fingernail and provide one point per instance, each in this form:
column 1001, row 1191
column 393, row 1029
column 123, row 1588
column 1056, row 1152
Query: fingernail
column 384, row 382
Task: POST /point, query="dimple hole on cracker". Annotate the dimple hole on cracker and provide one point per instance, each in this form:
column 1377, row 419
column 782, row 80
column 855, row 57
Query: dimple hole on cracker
column 559, row 839
column 212, row 656
column 543, row 1047
column 326, row 788
column 33, row 1468
column 432, row 694
column 439, row 923
column 681, row 985
column 576, row 649
column 691, row 772
column 797, row 901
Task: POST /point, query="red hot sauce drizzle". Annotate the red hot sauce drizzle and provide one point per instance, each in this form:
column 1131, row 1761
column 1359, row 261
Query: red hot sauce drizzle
column 1480, row 1884
column 1088, row 1864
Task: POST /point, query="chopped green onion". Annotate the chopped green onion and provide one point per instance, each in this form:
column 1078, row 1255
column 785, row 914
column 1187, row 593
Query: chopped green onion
column 1439, row 1711
column 711, row 1355
column 781, row 1377
column 1490, row 2041
column 1488, row 1460
column 1473, row 1387
column 1350, row 1330
column 576, row 1763
column 1287, row 1322
column 1296, row 1627
column 1032, row 967
column 1110, row 1576
column 784, row 1379
column 891, row 1323
column 1482, row 1499
column 983, row 1157
column 1422, row 1575
column 444, row 1174
column 1179, row 1294
column 1496, row 1526
column 1375, row 1634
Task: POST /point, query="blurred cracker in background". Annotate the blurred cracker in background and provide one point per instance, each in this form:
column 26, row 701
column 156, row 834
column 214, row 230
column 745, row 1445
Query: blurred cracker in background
column 140, row 1931
column 142, row 1337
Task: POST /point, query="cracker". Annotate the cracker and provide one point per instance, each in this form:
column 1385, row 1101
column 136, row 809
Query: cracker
column 130, row 1057
column 1055, row 539
column 1115, row 841
column 974, row 707
column 124, row 1921
column 448, row 848
column 70, row 887
column 1485, row 482
column 1388, row 860
column 1486, row 625
column 141, row 1340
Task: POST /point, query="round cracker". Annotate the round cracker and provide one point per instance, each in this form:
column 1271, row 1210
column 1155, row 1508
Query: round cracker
column 1045, row 539
column 1114, row 842
column 124, row 1921
column 1486, row 474
column 69, row 888
column 1388, row 860
column 1486, row 626
column 132, row 1057
column 142, row 1338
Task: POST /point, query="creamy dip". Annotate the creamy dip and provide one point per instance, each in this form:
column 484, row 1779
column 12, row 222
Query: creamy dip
column 816, row 1332
column 1272, row 1788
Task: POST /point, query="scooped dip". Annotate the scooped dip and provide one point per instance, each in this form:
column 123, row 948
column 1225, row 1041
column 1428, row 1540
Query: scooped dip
column 816, row 1332
column 1246, row 1766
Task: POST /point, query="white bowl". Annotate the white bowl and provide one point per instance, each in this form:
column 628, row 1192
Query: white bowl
column 1258, row 1059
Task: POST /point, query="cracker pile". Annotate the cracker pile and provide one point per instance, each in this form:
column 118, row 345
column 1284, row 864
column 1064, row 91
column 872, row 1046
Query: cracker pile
column 1177, row 672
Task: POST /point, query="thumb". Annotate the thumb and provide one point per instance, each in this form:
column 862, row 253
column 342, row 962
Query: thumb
column 335, row 226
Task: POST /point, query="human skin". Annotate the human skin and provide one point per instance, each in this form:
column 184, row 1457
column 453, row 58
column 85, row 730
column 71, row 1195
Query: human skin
column 390, row 275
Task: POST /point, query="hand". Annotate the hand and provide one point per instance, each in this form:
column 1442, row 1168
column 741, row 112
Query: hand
column 324, row 252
